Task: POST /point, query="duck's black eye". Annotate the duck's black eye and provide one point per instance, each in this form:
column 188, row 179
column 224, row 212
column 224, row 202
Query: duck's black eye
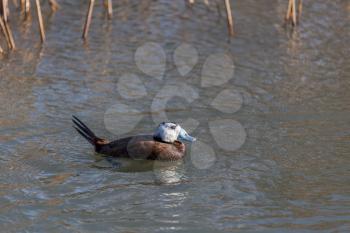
column 173, row 127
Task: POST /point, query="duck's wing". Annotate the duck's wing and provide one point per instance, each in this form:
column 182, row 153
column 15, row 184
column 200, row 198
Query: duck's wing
column 137, row 147
column 144, row 147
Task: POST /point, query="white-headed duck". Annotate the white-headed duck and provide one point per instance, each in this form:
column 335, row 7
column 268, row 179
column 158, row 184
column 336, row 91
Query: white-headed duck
column 164, row 144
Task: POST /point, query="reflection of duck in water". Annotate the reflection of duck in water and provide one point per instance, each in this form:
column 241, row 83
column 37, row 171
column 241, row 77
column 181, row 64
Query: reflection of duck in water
column 164, row 144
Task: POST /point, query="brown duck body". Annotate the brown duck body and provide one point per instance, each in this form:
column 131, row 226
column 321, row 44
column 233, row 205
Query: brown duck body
column 136, row 147
column 142, row 147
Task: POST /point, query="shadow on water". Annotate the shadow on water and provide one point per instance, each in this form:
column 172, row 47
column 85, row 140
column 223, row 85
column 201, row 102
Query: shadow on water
column 165, row 172
column 130, row 165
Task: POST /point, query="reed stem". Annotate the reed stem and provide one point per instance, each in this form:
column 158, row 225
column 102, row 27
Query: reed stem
column 294, row 19
column 229, row 17
column 88, row 19
column 22, row 5
column 300, row 9
column 4, row 9
column 289, row 10
column 40, row 19
column 54, row 5
column 110, row 9
column 293, row 13
column 27, row 8
column 3, row 28
column 7, row 33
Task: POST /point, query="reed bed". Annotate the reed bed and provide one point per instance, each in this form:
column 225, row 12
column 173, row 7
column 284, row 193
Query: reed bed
column 292, row 15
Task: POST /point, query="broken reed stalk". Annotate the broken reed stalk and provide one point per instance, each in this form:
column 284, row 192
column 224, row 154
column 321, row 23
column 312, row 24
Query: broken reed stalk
column 22, row 5
column 8, row 33
column 229, row 17
column 4, row 9
column 40, row 20
column 288, row 10
column 4, row 12
column 110, row 9
column 1, row 50
column 27, row 8
column 88, row 19
column 3, row 28
column 293, row 13
column 300, row 9
column 54, row 5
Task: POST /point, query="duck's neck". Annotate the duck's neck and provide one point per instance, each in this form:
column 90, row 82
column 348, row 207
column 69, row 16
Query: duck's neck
column 159, row 139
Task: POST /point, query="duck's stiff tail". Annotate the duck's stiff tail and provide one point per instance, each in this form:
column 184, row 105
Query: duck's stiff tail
column 84, row 131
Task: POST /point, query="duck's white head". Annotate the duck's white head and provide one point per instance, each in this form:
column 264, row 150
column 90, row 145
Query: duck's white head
column 170, row 132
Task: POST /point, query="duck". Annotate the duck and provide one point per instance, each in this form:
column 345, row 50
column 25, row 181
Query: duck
column 166, row 143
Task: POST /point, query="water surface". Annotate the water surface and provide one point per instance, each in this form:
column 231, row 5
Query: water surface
column 290, row 175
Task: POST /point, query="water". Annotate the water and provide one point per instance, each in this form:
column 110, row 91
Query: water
column 291, row 174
